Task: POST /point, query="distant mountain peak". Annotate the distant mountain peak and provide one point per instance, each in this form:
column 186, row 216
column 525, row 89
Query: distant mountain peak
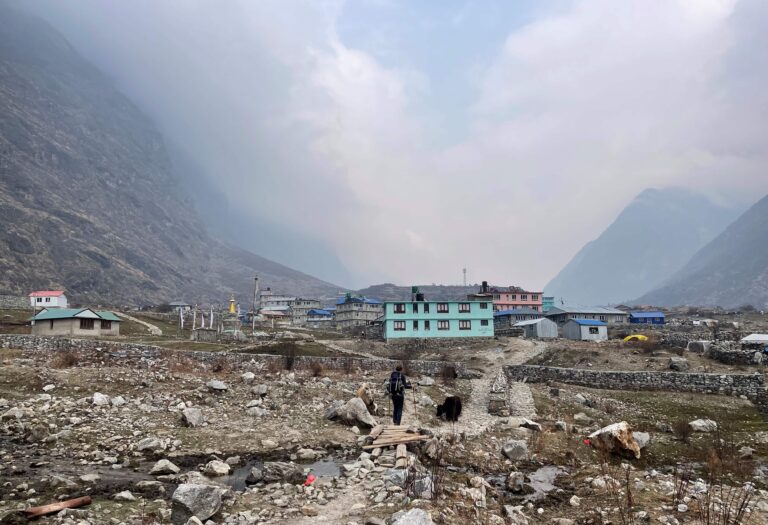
column 652, row 237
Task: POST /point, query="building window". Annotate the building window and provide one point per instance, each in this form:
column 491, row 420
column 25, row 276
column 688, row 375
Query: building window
column 484, row 322
column 523, row 297
column 426, row 308
column 86, row 324
column 415, row 308
column 399, row 326
column 400, row 308
column 47, row 299
column 593, row 330
column 426, row 325
column 415, row 325
column 106, row 325
column 442, row 308
column 443, row 325
column 602, row 318
column 496, row 297
column 483, row 306
column 465, row 325
column 464, row 308
column 50, row 326
column 39, row 299
column 514, row 298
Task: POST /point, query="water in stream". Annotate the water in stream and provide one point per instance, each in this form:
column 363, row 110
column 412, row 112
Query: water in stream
column 323, row 468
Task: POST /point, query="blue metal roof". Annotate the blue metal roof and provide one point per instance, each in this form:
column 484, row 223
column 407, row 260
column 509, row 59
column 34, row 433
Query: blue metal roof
column 589, row 322
column 319, row 311
column 646, row 315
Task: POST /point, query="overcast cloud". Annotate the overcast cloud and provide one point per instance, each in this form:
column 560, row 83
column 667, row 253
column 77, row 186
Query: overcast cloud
column 413, row 141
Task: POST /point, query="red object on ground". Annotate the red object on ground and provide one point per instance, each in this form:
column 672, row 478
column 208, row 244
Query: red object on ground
column 310, row 479
column 587, row 442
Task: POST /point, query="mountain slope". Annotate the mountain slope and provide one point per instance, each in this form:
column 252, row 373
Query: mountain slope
column 651, row 239
column 87, row 198
column 730, row 271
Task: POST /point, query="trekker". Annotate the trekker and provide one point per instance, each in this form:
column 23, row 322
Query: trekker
column 396, row 388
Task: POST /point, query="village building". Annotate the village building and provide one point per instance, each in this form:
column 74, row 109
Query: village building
column 511, row 298
column 538, row 328
column 352, row 312
column 547, row 303
column 585, row 330
column 268, row 298
column 437, row 319
column 564, row 313
column 48, row 299
column 300, row 308
column 75, row 322
column 180, row 306
column 657, row 318
column 320, row 318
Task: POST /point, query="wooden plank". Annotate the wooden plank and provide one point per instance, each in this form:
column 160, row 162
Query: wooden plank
column 398, row 441
column 401, row 451
column 34, row 512
column 378, row 429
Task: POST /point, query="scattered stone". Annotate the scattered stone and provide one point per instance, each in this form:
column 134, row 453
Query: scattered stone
column 642, row 439
column 412, row 517
column 248, row 377
column 124, row 496
column 515, row 449
column 616, row 439
column 216, row 468
column 426, row 381
column 678, row 364
column 200, row 501
column 703, row 425
column 310, row 510
column 575, row 501
column 164, row 467
column 282, row 471
column 192, row 417
column 48, row 388
column 516, row 482
column 117, row 401
column 582, row 419
column 215, row 385
column 100, row 400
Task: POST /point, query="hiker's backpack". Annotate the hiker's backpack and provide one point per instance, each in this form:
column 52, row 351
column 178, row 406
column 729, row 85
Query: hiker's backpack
column 396, row 385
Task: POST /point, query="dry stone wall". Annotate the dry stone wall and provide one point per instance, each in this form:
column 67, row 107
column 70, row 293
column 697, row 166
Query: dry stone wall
column 749, row 385
column 14, row 302
column 142, row 356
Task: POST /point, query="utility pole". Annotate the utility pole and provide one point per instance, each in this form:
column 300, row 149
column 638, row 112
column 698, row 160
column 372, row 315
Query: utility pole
column 464, row 271
column 255, row 304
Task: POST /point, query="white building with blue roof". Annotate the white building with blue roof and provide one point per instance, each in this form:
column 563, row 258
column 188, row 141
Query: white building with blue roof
column 585, row 330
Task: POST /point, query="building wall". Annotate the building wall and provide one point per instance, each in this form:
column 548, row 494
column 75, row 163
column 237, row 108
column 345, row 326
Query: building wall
column 646, row 320
column 544, row 329
column 480, row 317
column 71, row 327
column 352, row 314
column 606, row 318
column 49, row 302
column 547, row 303
column 577, row 332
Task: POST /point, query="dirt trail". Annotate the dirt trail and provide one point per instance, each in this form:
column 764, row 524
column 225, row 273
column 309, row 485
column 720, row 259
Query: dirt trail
column 338, row 510
column 341, row 349
column 154, row 330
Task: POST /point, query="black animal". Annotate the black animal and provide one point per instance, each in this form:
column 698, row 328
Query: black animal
column 451, row 408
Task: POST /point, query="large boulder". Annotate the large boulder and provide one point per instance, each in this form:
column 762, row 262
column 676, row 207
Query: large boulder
column 703, row 425
column 216, row 468
column 642, row 439
column 355, row 411
column 412, row 517
column 200, row 501
column 678, row 364
column 616, row 439
column 164, row 467
column 282, row 471
column 100, row 399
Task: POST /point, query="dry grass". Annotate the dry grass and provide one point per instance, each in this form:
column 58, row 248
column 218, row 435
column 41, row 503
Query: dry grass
column 65, row 359
column 317, row 369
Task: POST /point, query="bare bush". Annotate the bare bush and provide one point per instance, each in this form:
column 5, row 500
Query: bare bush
column 682, row 430
column 221, row 364
column 290, row 357
column 65, row 359
column 448, row 374
column 316, row 369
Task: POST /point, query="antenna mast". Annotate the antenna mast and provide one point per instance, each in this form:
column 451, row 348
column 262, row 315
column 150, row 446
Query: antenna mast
column 464, row 271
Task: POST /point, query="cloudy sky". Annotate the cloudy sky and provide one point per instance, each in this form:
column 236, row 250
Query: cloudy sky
column 400, row 141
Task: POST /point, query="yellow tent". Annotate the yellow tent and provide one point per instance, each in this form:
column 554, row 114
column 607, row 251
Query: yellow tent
column 635, row 337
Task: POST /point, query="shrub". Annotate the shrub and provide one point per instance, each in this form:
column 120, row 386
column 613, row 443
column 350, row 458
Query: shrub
column 65, row 359
column 682, row 430
column 448, row 374
column 290, row 357
column 317, row 369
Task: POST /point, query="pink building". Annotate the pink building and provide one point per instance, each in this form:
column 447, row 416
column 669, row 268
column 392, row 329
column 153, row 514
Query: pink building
column 510, row 298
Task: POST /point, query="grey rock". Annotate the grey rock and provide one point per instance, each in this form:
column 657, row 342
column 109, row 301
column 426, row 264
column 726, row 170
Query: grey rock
column 515, row 482
column 582, row 419
column 260, row 390
column 515, row 449
column 355, row 411
column 100, row 399
column 248, row 377
column 282, row 471
column 117, row 401
column 192, row 417
column 217, row 386
column 200, row 501
column 412, row 517
column 216, row 468
column 679, row 364
column 124, row 496
column 164, row 467
column 642, row 439
column 149, row 443
column 254, row 476
column 426, row 381
column 703, row 425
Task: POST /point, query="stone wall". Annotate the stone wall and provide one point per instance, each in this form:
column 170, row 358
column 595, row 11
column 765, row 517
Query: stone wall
column 142, row 356
column 17, row 302
column 733, row 353
column 750, row 385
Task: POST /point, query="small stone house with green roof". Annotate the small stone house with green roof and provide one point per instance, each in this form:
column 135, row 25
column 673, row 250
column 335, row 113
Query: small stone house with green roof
column 75, row 322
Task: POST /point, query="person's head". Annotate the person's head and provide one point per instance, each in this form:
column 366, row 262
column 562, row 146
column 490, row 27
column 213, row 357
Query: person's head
column 399, row 368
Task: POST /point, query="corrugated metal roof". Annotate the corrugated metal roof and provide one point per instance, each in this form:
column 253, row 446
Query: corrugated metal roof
column 70, row 313
column 756, row 338
column 531, row 321
column 47, row 293
column 577, row 309
column 319, row 311
column 646, row 315
column 518, row 311
column 588, row 322
column 108, row 316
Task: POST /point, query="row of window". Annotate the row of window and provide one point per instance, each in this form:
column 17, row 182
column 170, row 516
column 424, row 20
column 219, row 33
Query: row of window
column 399, row 326
column 442, row 308
column 40, row 300
column 513, row 297
column 500, row 307
column 87, row 324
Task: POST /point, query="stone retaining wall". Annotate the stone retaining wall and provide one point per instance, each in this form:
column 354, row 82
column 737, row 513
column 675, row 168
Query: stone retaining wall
column 732, row 353
column 142, row 356
column 750, row 385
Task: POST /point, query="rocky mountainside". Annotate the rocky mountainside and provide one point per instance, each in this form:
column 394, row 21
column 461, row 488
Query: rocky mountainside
column 651, row 239
column 87, row 199
column 730, row 271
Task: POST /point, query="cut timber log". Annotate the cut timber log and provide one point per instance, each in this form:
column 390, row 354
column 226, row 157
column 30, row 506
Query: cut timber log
column 401, row 451
column 395, row 441
column 378, row 429
column 34, row 512
column 376, row 452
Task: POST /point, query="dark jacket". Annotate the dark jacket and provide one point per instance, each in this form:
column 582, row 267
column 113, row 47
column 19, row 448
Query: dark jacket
column 393, row 380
